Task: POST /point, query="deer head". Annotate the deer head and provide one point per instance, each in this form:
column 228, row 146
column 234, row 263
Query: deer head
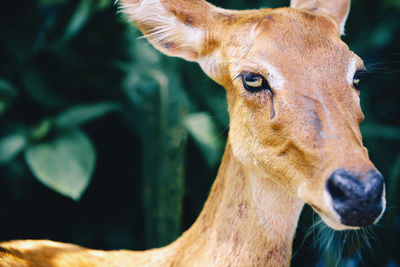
column 292, row 90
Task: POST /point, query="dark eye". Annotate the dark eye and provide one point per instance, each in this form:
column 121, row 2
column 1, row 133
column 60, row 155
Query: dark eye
column 253, row 82
column 357, row 78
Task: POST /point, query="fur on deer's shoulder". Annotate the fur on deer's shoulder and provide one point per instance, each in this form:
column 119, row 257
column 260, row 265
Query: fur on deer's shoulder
column 45, row 253
column 29, row 253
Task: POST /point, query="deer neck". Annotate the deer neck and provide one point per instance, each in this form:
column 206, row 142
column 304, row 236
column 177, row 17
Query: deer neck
column 247, row 220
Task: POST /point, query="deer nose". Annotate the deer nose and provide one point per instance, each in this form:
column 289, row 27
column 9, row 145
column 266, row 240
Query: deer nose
column 356, row 198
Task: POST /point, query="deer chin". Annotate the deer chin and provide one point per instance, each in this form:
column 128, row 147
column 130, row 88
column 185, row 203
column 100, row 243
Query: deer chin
column 326, row 212
column 331, row 218
column 334, row 222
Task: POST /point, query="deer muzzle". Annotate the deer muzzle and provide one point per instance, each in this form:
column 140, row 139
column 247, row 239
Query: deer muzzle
column 358, row 198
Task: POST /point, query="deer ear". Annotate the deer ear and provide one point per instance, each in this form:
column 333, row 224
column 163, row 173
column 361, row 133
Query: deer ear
column 176, row 28
column 336, row 9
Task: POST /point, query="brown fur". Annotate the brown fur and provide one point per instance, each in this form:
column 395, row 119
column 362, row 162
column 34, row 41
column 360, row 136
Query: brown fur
column 281, row 146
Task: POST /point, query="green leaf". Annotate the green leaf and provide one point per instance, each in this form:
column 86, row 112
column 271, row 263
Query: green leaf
column 38, row 88
column 79, row 19
column 204, row 132
column 41, row 131
column 64, row 164
column 103, row 4
column 11, row 145
column 78, row 115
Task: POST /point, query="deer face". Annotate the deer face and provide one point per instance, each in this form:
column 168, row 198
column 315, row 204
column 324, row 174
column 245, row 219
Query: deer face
column 295, row 114
column 292, row 97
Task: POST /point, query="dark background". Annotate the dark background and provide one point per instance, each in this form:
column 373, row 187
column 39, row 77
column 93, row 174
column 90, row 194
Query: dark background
column 82, row 97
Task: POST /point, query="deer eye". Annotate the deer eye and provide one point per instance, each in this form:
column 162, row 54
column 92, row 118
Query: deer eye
column 357, row 78
column 253, row 82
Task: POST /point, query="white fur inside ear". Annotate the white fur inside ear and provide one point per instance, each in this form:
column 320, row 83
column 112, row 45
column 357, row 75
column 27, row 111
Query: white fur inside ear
column 163, row 25
column 342, row 23
column 211, row 65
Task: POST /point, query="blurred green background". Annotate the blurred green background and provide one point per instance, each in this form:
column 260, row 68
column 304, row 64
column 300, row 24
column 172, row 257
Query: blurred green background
column 106, row 143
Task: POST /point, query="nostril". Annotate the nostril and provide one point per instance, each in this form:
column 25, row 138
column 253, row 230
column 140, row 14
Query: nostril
column 342, row 186
column 336, row 190
column 373, row 185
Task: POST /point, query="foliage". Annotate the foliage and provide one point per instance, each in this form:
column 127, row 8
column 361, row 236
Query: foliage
column 97, row 115
column 65, row 164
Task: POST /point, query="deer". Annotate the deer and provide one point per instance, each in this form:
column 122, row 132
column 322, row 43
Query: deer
column 292, row 87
